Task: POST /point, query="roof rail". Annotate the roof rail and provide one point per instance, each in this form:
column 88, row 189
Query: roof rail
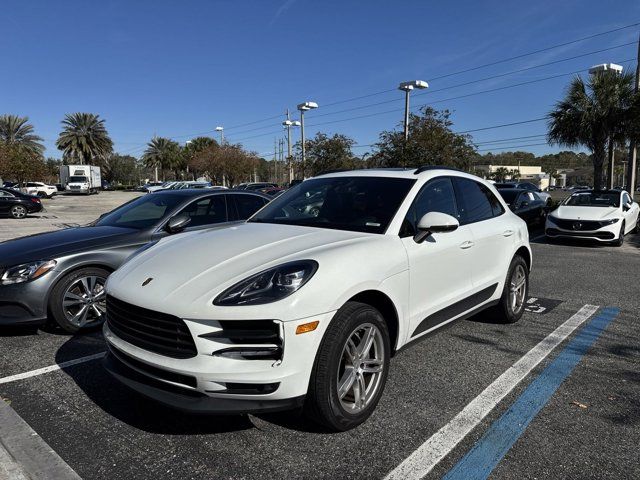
column 335, row 170
column 426, row 168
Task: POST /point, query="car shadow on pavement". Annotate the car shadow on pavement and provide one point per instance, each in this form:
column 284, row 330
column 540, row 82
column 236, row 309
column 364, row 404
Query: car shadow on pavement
column 135, row 410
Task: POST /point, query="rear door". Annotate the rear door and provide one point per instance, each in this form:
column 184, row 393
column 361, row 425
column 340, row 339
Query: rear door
column 6, row 201
column 493, row 232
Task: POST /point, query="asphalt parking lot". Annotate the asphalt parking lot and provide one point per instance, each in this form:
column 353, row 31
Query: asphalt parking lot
column 572, row 411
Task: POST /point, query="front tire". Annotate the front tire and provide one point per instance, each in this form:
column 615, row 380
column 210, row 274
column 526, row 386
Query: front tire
column 78, row 299
column 350, row 370
column 514, row 295
column 18, row 212
column 620, row 241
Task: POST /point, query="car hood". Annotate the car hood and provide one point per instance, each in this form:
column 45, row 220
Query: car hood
column 190, row 266
column 44, row 246
column 585, row 213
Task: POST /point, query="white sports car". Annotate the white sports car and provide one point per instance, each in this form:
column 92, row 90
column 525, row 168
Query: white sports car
column 298, row 307
column 602, row 215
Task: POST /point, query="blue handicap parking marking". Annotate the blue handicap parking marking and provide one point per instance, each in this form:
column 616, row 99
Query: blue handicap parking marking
column 485, row 455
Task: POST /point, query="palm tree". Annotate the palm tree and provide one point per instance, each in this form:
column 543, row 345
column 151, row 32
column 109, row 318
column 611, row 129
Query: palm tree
column 592, row 114
column 500, row 174
column 84, row 137
column 15, row 130
column 161, row 152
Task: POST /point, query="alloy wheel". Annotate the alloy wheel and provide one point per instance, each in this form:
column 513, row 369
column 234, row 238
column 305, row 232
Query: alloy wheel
column 518, row 289
column 19, row 211
column 361, row 367
column 83, row 302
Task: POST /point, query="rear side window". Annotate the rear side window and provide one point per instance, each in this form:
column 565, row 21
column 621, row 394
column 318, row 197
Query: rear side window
column 436, row 196
column 247, row 205
column 475, row 201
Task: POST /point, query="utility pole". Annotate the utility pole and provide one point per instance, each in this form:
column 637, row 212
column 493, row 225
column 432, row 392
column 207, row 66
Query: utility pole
column 631, row 166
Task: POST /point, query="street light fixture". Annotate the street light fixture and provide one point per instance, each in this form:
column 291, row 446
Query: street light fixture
column 221, row 130
column 407, row 87
column 617, row 70
column 606, row 67
column 303, row 107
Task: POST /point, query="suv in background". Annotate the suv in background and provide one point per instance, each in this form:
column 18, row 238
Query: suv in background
column 40, row 189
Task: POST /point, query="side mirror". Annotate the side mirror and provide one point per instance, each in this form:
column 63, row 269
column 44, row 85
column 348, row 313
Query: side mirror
column 178, row 223
column 435, row 222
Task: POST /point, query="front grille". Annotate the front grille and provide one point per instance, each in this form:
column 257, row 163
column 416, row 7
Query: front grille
column 578, row 225
column 154, row 331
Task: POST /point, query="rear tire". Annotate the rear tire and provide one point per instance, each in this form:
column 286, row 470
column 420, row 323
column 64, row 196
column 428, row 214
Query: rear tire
column 42, row 194
column 18, row 212
column 354, row 354
column 514, row 294
column 77, row 300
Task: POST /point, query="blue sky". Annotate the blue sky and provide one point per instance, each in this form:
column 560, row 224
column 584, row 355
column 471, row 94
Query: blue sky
column 180, row 68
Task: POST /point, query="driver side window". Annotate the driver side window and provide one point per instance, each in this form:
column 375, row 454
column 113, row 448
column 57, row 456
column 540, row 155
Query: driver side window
column 436, row 196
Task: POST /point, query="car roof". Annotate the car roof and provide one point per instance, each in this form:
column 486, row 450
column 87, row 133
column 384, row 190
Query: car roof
column 196, row 192
column 412, row 173
column 591, row 190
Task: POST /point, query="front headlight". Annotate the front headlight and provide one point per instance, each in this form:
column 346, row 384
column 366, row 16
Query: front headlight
column 270, row 285
column 26, row 272
column 604, row 223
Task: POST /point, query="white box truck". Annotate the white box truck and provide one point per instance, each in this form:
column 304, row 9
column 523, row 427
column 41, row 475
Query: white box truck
column 80, row 178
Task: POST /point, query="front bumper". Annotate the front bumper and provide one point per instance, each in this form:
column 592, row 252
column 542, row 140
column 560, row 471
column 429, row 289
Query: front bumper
column 211, row 383
column 23, row 304
column 603, row 234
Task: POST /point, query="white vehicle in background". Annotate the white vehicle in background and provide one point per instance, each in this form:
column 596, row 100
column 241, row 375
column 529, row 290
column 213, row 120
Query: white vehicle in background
column 40, row 189
column 81, row 178
column 602, row 215
column 297, row 307
column 162, row 186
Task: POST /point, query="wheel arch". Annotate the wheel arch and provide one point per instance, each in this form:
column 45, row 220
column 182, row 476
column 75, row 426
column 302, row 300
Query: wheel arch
column 386, row 307
column 75, row 268
column 525, row 253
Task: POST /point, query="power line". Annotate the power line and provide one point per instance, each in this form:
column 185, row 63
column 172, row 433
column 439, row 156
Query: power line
column 510, row 139
column 459, row 72
column 512, row 147
column 454, row 73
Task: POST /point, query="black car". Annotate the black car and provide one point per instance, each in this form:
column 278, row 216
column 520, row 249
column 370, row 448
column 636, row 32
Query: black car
column 60, row 275
column 527, row 205
column 17, row 204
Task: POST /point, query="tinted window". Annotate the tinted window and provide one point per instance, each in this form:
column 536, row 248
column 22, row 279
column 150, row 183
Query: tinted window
column 528, row 186
column 206, row 211
column 144, row 212
column 626, row 199
column 362, row 204
column 436, row 196
column 509, row 196
column 5, row 194
column 593, row 199
column 247, row 205
column 475, row 201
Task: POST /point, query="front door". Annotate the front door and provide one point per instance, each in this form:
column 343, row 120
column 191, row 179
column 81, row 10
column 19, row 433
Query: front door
column 439, row 267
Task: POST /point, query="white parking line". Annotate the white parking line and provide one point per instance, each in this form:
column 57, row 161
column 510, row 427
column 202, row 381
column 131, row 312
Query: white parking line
column 431, row 452
column 51, row 368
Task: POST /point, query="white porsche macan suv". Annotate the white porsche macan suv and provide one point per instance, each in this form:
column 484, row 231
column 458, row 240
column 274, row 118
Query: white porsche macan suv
column 304, row 304
column 602, row 215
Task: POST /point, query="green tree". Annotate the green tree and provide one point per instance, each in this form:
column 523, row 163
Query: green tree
column 431, row 142
column 593, row 114
column 20, row 163
column 324, row 153
column 15, row 130
column 84, row 138
column 123, row 169
column 161, row 153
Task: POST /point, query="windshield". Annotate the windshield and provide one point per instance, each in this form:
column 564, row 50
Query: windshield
column 594, row 199
column 509, row 195
column 361, row 204
column 144, row 212
column 76, row 178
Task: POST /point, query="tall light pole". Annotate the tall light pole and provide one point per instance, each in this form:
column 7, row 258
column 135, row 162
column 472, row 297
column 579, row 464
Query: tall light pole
column 407, row 87
column 303, row 107
column 221, row 130
column 631, row 166
column 609, row 69
column 288, row 124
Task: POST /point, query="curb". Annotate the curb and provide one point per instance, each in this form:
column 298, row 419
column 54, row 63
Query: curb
column 24, row 455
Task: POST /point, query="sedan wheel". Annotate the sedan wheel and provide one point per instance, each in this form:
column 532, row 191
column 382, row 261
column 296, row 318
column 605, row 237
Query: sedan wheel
column 18, row 211
column 78, row 301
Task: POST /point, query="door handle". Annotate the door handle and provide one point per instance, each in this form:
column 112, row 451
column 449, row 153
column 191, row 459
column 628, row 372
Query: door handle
column 467, row 244
column 507, row 233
